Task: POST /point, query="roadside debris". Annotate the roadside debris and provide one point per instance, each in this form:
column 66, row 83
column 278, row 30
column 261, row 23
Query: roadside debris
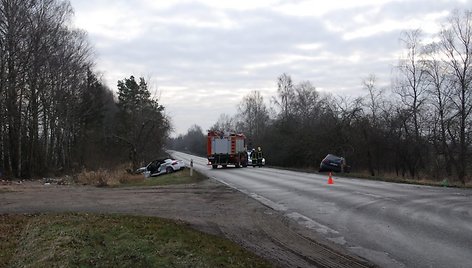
column 66, row 180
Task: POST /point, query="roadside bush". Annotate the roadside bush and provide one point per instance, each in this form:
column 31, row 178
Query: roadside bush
column 127, row 178
column 100, row 178
column 103, row 177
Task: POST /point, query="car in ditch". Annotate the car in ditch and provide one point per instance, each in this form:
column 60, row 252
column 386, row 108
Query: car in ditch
column 161, row 166
column 333, row 163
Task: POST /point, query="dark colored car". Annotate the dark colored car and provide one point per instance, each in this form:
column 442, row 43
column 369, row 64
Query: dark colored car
column 334, row 163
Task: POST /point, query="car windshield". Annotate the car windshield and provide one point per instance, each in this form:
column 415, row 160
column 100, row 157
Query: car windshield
column 333, row 157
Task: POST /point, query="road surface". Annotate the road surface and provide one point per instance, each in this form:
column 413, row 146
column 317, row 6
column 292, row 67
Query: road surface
column 393, row 225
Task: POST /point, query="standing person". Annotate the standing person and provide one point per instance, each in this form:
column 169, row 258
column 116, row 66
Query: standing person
column 259, row 156
column 253, row 158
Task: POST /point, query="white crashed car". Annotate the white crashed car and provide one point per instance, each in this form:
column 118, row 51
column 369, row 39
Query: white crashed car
column 175, row 164
column 162, row 166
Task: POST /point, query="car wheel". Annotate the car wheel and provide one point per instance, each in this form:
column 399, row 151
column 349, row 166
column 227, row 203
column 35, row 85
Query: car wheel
column 169, row 170
column 214, row 166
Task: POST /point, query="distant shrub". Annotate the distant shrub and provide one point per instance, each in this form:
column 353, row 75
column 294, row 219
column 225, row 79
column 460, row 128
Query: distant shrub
column 103, row 177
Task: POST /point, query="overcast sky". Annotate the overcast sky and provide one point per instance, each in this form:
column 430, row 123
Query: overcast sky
column 203, row 56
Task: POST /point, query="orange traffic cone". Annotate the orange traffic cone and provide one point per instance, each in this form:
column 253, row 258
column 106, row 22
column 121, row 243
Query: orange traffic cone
column 330, row 179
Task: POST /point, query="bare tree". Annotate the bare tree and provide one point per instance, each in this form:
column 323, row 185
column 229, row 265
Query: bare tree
column 253, row 116
column 411, row 87
column 374, row 96
column 456, row 46
column 225, row 122
column 14, row 28
column 440, row 98
column 286, row 94
column 44, row 65
column 306, row 102
column 194, row 141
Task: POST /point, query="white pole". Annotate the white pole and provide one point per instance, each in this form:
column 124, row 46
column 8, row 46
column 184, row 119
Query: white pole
column 191, row 167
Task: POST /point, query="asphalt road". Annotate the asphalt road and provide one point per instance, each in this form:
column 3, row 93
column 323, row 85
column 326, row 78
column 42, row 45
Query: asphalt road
column 392, row 225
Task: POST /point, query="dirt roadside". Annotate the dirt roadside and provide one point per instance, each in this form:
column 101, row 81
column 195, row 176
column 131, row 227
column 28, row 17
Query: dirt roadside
column 207, row 206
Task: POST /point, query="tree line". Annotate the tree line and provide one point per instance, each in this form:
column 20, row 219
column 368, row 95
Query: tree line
column 419, row 126
column 56, row 115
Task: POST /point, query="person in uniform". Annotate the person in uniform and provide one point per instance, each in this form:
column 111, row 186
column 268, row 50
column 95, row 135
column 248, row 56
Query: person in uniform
column 254, row 157
column 259, row 156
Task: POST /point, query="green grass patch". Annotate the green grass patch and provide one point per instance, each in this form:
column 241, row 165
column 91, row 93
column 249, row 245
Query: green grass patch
column 91, row 240
column 11, row 227
column 179, row 177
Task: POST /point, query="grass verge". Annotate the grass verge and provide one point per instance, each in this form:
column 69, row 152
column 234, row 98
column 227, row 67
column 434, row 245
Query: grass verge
column 120, row 178
column 91, row 240
column 421, row 181
column 386, row 178
column 11, row 227
column 179, row 177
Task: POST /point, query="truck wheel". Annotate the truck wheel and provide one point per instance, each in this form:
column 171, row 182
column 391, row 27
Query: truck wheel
column 225, row 166
column 214, row 166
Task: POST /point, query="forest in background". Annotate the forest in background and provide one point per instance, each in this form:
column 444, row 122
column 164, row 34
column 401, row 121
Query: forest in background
column 419, row 127
column 56, row 115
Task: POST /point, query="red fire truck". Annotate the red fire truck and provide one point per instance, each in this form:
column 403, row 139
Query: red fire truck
column 225, row 149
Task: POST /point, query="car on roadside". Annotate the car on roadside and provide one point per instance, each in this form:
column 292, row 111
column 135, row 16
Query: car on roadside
column 162, row 166
column 176, row 164
column 334, row 163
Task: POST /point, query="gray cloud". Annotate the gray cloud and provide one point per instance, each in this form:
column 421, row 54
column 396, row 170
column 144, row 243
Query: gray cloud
column 205, row 58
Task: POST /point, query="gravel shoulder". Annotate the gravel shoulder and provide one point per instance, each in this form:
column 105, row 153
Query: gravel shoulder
column 208, row 206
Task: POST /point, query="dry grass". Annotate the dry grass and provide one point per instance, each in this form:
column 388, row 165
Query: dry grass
column 421, row 180
column 120, row 177
column 392, row 177
column 105, row 177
